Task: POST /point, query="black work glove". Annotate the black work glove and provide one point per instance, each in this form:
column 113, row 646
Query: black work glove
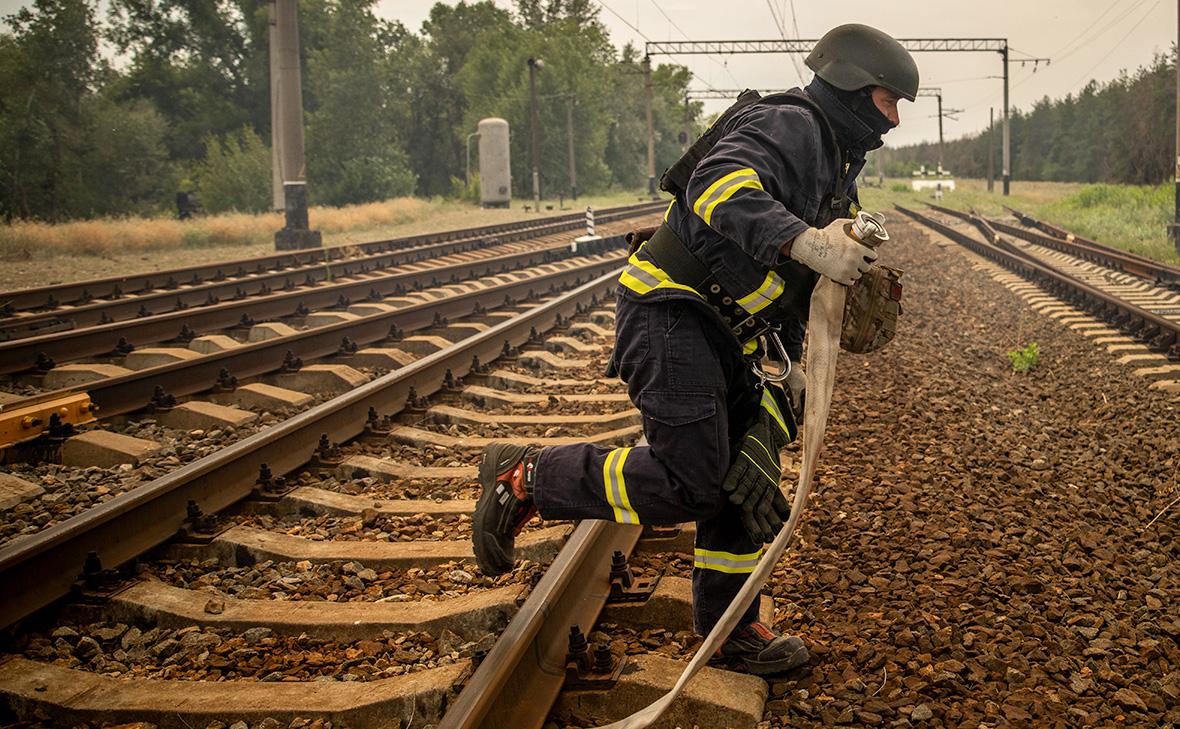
column 753, row 481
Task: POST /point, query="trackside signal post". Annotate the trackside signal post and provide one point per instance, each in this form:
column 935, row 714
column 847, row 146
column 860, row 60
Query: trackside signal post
column 992, row 45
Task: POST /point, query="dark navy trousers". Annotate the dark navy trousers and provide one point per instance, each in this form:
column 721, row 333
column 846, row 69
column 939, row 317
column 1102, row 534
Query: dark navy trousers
column 686, row 374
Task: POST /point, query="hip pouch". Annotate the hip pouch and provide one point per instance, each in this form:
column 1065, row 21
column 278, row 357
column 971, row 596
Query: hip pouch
column 871, row 310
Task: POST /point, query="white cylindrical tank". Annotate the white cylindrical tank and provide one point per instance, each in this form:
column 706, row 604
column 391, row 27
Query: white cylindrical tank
column 495, row 170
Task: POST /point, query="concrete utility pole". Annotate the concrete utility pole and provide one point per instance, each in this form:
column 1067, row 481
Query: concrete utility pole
column 569, row 124
column 1007, row 161
column 651, row 139
column 991, row 149
column 276, row 136
column 1174, row 228
column 535, row 64
column 287, row 120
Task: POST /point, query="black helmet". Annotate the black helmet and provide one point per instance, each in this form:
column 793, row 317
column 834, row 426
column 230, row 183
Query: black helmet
column 854, row 56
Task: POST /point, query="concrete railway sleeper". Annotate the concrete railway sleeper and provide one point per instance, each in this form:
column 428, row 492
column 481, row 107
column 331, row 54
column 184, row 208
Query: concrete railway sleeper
column 350, row 595
column 78, row 293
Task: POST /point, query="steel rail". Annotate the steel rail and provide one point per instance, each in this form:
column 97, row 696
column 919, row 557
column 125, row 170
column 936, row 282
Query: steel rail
column 1063, row 234
column 517, row 683
column 1162, row 334
column 39, row 569
column 174, row 296
column 1087, row 250
column 23, row 354
column 38, row 297
column 134, row 391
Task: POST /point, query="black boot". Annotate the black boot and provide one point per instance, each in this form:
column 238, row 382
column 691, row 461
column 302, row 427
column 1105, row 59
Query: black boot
column 506, row 472
column 761, row 651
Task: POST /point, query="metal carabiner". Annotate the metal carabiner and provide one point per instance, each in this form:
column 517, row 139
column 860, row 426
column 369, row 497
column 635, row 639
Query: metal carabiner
column 775, row 376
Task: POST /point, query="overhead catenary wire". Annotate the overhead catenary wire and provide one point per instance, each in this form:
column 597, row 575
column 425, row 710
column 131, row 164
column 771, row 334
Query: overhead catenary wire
column 644, row 36
column 724, row 65
column 1119, row 43
column 1062, row 53
column 783, row 34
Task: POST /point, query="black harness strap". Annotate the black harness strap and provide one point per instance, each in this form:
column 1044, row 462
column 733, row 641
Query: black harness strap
column 683, row 267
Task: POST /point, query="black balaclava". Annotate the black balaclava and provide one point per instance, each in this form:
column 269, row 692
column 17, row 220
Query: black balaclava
column 857, row 121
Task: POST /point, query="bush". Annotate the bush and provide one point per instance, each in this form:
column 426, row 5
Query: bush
column 361, row 179
column 1025, row 359
column 900, row 187
column 465, row 191
column 235, row 175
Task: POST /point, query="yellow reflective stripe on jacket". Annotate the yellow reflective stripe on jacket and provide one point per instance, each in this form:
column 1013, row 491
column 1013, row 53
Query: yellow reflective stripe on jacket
column 772, row 287
column 722, row 190
column 616, row 486
column 771, row 406
column 643, row 276
column 728, row 562
column 751, row 346
column 668, row 210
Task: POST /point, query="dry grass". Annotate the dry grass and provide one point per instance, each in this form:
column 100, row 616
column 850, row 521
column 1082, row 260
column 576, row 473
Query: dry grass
column 30, row 240
column 37, row 254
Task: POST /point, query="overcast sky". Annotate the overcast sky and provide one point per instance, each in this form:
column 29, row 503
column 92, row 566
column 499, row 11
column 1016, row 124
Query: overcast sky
column 1084, row 38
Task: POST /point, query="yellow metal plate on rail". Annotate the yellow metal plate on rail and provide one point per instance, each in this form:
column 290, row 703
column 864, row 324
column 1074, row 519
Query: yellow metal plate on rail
column 24, row 420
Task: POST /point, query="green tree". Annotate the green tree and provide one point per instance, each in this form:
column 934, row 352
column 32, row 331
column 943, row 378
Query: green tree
column 48, row 65
column 235, row 173
column 204, row 65
column 438, row 104
column 1087, row 137
column 123, row 164
column 354, row 153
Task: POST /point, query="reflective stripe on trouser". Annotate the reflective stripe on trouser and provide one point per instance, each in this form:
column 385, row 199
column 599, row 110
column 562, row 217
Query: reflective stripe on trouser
column 689, row 392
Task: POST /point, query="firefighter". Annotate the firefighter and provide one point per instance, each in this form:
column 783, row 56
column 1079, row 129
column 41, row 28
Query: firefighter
column 759, row 213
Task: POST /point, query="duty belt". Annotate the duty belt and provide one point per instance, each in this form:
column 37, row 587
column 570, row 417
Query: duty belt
column 683, row 267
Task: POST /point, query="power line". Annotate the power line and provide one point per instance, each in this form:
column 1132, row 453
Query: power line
column 783, row 33
column 644, row 36
column 1078, row 38
column 1120, row 42
column 724, row 66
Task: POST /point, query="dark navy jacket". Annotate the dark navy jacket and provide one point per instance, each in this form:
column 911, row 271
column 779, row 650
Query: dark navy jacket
column 764, row 182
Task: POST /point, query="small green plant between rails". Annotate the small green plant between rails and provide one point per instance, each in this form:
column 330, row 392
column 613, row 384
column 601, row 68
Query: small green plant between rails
column 1025, row 359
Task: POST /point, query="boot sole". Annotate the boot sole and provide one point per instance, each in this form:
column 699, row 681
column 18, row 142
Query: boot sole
column 769, row 668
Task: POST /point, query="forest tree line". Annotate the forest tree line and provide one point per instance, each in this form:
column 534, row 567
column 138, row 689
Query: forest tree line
column 113, row 112
column 1122, row 131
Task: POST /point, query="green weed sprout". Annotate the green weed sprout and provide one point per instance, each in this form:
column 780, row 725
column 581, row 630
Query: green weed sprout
column 1025, row 359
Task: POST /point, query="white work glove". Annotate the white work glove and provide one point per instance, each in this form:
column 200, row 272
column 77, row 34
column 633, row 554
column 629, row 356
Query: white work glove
column 833, row 253
column 797, row 389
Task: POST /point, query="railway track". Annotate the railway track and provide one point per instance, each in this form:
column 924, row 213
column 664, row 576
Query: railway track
column 81, row 301
column 347, row 590
column 1067, row 242
column 981, row 565
column 214, row 346
column 1148, row 313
